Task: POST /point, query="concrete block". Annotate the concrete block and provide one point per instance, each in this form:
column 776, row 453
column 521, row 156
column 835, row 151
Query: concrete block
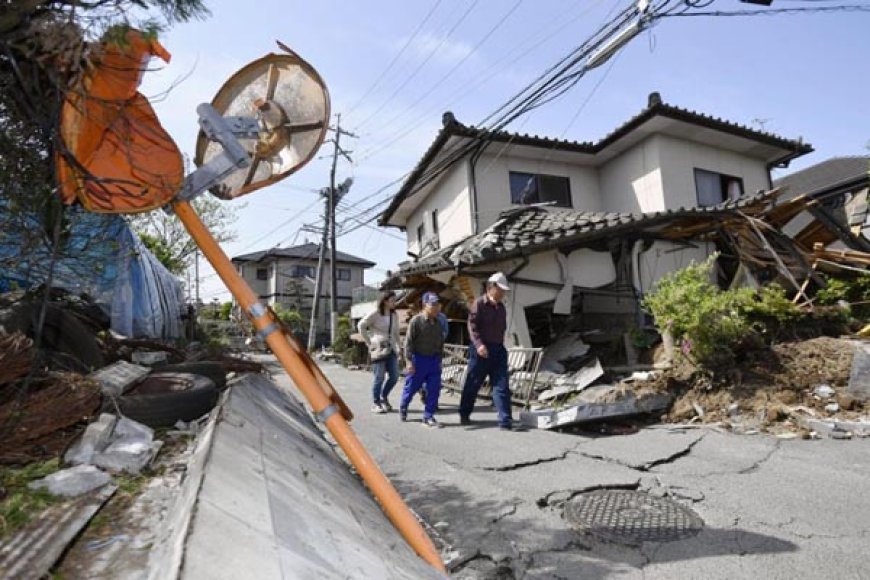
column 117, row 377
column 129, row 429
column 859, row 378
column 95, row 438
column 72, row 481
column 149, row 357
column 129, row 456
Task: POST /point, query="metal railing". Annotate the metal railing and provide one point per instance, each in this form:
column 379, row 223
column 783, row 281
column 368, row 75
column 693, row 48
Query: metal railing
column 523, row 365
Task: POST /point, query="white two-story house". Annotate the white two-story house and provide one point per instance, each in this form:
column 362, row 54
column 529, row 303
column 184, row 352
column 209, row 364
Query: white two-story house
column 286, row 276
column 577, row 226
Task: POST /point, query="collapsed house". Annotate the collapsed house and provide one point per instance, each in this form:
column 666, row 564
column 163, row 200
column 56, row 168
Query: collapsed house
column 585, row 230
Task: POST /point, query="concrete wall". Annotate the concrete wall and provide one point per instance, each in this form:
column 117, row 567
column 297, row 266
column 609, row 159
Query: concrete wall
column 278, row 502
column 632, row 181
column 680, row 158
column 452, row 201
column 493, row 184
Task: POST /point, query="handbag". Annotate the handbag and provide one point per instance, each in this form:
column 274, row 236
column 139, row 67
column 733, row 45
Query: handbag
column 379, row 349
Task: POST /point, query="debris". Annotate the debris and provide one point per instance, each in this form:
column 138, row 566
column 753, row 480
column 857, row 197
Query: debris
column 832, row 407
column 787, row 436
column 72, row 481
column 95, row 438
column 16, row 356
column 574, row 382
column 596, row 403
column 128, row 455
column 824, row 391
column 841, row 434
column 859, row 377
column 117, row 377
column 565, row 347
column 699, row 410
column 733, row 410
column 150, row 358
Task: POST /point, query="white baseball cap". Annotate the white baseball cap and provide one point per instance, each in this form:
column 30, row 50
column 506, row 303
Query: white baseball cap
column 500, row 280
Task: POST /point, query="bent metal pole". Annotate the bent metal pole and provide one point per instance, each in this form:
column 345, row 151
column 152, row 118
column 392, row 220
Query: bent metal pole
column 301, row 373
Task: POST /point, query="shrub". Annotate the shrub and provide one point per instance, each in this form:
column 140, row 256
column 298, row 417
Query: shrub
column 852, row 290
column 711, row 324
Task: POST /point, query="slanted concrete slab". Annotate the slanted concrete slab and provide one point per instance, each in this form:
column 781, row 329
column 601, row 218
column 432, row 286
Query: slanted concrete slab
column 278, row 502
column 115, row 378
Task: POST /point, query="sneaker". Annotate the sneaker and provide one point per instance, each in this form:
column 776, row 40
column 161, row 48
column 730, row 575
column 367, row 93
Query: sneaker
column 465, row 420
column 431, row 423
column 377, row 408
column 403, row 415
column 506, row 427
column 386, row 406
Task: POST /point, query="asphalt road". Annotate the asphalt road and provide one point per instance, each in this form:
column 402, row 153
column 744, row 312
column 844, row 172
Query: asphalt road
column 496, row 500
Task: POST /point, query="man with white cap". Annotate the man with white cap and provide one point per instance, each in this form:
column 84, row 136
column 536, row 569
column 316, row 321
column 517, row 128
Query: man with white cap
column 487, row 357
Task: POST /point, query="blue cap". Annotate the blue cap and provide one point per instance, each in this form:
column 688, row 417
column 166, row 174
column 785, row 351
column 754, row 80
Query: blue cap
column 430, row 298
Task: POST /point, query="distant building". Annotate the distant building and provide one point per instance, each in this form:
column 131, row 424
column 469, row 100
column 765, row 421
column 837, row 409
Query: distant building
column 286, row 276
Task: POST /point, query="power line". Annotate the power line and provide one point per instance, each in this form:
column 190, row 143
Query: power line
column 420, row 66
column 396, row 57
column 774, row 11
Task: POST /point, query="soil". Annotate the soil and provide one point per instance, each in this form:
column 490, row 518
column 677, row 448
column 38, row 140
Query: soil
column 770, row 387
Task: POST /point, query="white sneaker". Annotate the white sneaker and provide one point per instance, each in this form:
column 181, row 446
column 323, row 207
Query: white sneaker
column 385, row 404
column 431, row 423
column 377, row 408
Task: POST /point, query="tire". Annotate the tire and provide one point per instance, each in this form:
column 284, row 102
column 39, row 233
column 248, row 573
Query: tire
column 213, row 370
column 162, row 399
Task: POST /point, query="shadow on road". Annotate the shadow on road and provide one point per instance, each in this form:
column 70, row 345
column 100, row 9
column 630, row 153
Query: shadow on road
column 505, row 537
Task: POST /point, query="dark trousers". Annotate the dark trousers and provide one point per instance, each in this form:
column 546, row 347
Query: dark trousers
column 496, row 368
column 427, row 371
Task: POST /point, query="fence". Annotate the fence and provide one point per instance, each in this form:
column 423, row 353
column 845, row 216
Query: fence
column 523, row 365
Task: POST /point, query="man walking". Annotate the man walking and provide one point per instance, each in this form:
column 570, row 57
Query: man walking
column 487, row 356
column 423, row 346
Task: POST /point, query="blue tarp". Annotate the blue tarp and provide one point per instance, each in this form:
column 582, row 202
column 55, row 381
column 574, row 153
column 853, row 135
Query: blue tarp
column 103, row 258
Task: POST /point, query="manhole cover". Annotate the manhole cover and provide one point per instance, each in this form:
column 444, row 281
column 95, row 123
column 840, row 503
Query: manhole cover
column 631, row 517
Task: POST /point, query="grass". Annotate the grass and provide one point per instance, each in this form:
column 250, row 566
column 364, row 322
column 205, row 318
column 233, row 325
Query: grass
column 19, row 504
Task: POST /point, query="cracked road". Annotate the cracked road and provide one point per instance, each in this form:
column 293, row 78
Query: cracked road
column 772, row 508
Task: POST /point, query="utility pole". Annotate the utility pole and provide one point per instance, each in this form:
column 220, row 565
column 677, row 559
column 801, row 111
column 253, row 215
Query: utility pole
column 334, row 197
column 196, row 275
column 318, row 280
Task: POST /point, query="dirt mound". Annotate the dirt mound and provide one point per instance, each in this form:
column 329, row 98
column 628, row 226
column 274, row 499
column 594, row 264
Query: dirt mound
column 769, row 388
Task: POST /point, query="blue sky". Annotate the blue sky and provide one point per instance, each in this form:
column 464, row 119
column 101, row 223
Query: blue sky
column 797, row 76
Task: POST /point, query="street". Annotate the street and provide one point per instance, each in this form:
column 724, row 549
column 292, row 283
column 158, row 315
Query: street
column 770, row 508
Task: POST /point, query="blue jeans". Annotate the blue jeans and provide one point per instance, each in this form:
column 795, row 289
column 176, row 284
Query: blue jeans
column 390, row 367
column 495, row 366
column 427, row 370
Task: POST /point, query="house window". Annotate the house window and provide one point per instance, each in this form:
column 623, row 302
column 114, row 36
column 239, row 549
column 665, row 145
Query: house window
column 435, row 222
column 714, row 188
column 421, row 232
column 262, row 273
column 302, row 272
column 528, row 188
column 343, row 274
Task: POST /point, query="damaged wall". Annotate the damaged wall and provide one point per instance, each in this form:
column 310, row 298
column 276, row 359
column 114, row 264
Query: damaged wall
column 664, row 257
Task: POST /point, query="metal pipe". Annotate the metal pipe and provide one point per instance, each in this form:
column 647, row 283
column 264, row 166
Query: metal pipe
column 307, row 382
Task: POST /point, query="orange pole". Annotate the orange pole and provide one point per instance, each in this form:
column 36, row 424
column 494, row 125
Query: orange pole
column 301, row 373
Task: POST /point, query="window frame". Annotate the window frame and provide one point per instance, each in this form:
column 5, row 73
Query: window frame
column 724, row 182
column 262, row 273
column 539, row 181
column 340, row 278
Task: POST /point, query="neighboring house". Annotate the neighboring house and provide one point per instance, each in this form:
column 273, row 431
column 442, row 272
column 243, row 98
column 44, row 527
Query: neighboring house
column 580, row 227
column 839, row 186
column 286, row 276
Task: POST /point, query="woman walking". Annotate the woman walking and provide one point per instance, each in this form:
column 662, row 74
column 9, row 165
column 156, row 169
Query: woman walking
column 380, row 331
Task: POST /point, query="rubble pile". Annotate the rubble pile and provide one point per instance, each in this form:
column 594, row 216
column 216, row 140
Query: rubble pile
column 791, row 389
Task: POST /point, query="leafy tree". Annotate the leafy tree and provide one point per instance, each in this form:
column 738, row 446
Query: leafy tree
column 225, row 310
column 166, row 237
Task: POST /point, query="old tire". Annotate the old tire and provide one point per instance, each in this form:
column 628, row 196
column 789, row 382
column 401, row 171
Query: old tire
column 162, row 399
column 213, row 370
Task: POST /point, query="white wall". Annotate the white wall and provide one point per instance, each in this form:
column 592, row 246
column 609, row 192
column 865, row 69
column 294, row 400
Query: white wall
column 664, row 257
column 451, row 198
column 493, row 183
column 632, row 181
column 680, row 158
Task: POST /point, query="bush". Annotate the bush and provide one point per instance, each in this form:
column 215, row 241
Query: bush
column 852, row 290
column 711, row 325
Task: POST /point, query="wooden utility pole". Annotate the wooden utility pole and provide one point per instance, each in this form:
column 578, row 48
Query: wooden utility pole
column 318, row 280
column 333, row 198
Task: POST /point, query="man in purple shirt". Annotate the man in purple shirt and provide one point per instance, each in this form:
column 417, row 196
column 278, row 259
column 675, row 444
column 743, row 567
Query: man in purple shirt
column 487, row 356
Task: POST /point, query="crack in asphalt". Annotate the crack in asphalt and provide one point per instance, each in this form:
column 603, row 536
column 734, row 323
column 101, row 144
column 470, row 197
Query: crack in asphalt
column 544, row 501
column 757, row 465
column 650, row 464
column 516, row 466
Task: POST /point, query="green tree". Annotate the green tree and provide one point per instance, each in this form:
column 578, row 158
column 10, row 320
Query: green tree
column 165, row 235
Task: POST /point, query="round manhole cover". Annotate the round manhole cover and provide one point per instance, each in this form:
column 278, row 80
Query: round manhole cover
column 631, row 517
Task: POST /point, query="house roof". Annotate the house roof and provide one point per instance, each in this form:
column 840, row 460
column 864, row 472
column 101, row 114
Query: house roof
column 530, row 230
column 830, row 175
column 302, row 252
column 787, row 149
